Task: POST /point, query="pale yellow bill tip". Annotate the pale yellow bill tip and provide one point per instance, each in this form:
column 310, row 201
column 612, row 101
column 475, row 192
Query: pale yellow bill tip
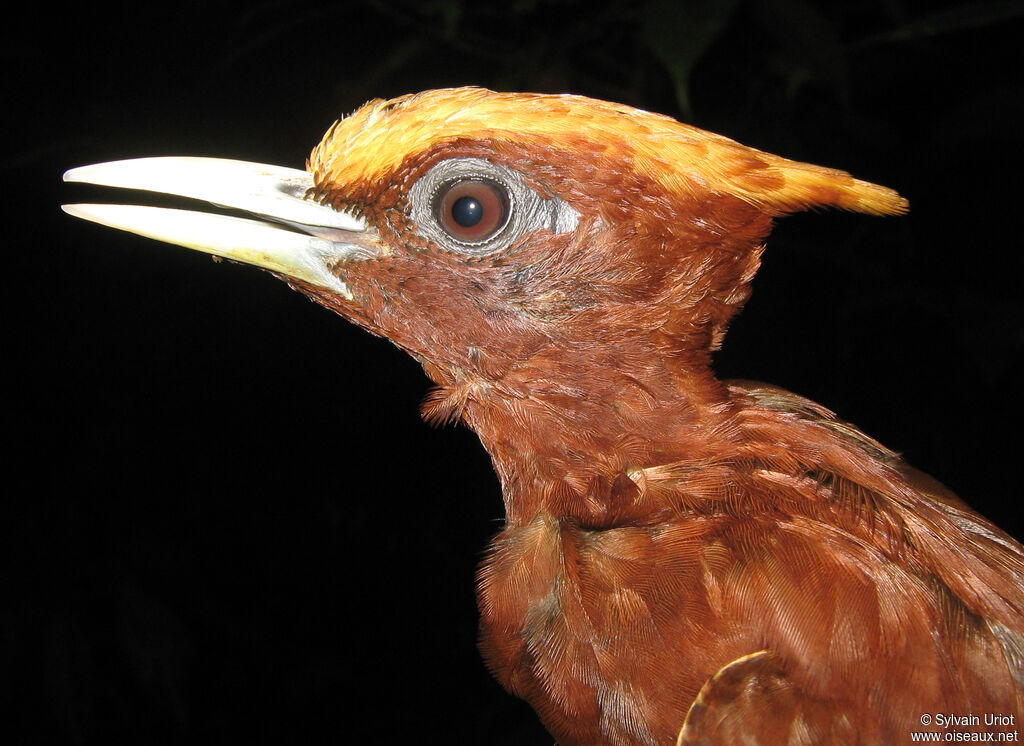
column 255, row 242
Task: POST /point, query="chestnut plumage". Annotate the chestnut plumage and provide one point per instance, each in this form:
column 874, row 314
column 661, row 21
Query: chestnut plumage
column 684, row 560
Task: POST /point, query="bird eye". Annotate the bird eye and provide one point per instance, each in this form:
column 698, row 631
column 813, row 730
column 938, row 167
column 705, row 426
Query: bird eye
column 476, row 208
column 472, row 210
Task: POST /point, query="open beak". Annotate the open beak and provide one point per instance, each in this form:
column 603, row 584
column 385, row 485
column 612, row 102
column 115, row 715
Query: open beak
column 293, row 235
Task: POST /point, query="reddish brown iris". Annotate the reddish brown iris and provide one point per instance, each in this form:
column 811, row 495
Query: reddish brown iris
column 473, row 210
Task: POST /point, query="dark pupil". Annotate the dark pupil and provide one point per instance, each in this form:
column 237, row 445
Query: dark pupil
column 467, row 211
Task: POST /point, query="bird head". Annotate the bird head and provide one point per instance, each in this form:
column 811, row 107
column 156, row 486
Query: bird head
column 515, row 244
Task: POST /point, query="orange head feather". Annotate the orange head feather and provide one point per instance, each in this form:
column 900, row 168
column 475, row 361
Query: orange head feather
column 374, row 142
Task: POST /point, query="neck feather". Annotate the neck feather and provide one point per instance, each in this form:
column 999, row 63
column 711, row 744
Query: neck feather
column 568, row 434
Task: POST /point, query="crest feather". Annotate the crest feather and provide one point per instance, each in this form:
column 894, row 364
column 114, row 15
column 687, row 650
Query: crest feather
column 374, row 141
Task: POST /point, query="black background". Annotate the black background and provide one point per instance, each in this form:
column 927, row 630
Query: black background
column 227, row 522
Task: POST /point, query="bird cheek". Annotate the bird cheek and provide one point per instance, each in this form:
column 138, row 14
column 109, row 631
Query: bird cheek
column 361, row 265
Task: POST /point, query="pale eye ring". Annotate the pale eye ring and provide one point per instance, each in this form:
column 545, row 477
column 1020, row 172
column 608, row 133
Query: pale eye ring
column 472, row 210
column 476, row 208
